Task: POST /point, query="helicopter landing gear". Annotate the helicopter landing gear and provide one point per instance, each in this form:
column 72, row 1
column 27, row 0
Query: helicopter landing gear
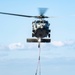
column 49, row 30
column 49, row 35
column 33, row 31
column 33, row 34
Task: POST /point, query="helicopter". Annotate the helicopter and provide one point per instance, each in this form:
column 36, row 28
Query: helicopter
column 40, row 27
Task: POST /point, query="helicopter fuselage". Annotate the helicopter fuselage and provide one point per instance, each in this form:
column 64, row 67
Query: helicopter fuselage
column 40, row 29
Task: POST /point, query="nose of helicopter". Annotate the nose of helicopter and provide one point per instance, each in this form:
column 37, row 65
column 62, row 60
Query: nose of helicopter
column 41, row 33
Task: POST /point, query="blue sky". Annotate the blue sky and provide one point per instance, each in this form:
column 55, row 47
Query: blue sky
column 17, row 57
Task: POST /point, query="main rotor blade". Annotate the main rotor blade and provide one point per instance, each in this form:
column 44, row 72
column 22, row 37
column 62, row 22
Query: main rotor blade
column 42, row 11
column 23, row 15
column 17, row 15
column 57, row 16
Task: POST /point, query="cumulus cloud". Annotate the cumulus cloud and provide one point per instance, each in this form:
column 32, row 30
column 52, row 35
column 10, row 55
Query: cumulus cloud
column 57, row 43
column 61, row 43
column 16, row 46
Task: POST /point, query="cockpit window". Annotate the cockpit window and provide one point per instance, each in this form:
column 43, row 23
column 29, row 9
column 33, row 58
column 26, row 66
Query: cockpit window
column 39, row 22
column 42, row 21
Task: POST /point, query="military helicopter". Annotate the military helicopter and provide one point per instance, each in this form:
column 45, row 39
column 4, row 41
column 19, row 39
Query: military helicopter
column 40, row 27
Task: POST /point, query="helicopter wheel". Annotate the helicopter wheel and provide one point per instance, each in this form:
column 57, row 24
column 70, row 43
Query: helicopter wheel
column 33, row 35
column 33, row 30
column 49, row 35
column 49, row 30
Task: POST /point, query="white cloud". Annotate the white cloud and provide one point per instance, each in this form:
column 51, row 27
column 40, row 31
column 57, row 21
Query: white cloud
column 16, row 46
column 61, row 43
column 58, row 43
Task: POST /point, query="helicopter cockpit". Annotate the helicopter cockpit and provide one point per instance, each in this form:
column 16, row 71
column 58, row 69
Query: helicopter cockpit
column 40, row 24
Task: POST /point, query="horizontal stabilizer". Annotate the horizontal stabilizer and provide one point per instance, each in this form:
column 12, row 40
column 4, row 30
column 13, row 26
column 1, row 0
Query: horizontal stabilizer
column 36, row 40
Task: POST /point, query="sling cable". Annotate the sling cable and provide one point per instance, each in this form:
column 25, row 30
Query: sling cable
column 38, row 69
